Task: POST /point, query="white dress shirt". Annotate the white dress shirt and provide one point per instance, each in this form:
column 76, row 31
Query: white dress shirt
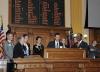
column 79, row 43
column 27, row 49
column 56, row 44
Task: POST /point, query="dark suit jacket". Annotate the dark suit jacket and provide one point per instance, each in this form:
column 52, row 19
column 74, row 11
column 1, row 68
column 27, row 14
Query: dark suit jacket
column 18, row 51
column 83, row 45
column 38, row 50
column 51, row 44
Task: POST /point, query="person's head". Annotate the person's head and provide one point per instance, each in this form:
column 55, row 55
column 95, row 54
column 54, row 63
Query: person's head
column 57, row 36
column 21, row 40
column 79, row 37
column 94, row 43
column 25, row 37
column 38, row 39
column 9, row 36
column 63, row 40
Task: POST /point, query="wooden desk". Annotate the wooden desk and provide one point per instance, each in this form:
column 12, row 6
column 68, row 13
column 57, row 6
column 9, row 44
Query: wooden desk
column 38, row 64
column 64, row 53
column 93, row 66
column 55, row 63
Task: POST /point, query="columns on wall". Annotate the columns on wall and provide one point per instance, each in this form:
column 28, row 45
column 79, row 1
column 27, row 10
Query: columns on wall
column 67, row 14
column 4, row 13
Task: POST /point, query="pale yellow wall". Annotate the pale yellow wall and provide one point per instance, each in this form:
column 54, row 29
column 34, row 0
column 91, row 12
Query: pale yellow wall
column 78, row 11
column 85, row 31
column 67, row 14
column 76, row 15
column 4, row 13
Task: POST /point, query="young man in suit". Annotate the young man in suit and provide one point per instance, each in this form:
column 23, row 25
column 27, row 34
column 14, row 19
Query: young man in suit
column 19, row 49
column 26, row 44
column 56, row 43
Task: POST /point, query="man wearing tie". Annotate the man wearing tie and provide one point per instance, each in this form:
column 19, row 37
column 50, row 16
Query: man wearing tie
column 56, row 43
column 26, row 44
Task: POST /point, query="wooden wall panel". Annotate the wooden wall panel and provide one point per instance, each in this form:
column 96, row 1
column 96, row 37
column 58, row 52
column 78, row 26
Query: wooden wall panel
column 94, row 34
column 47, row 33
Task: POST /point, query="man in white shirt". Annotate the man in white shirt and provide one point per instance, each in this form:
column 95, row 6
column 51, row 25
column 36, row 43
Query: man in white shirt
column 27, row 45
column 56, row 43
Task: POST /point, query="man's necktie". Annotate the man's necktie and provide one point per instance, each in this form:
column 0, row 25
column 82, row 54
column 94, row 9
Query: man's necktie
column 57, row 45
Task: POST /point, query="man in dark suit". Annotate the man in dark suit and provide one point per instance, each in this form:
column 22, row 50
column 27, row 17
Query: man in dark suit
column 19, row 49
column 26, row 44
column 56, row 43
column 80, row 42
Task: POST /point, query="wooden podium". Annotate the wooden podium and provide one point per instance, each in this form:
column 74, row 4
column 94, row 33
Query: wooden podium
column 64, row 53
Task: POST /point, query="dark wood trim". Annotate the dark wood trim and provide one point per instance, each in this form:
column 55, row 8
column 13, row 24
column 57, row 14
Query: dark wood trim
column 9, row 11
column 91, row 35
column 36, row 26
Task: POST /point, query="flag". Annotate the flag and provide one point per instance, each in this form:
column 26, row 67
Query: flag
column 70, row 39
column 2, row 38
column 2, row 34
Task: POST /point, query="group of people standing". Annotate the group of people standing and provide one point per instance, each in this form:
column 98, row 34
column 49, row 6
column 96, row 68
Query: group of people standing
column 61, row 43
column 77, row 42
column 22, row 47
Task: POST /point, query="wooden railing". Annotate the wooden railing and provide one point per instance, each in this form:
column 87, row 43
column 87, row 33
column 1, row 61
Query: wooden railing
column 58, row 61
